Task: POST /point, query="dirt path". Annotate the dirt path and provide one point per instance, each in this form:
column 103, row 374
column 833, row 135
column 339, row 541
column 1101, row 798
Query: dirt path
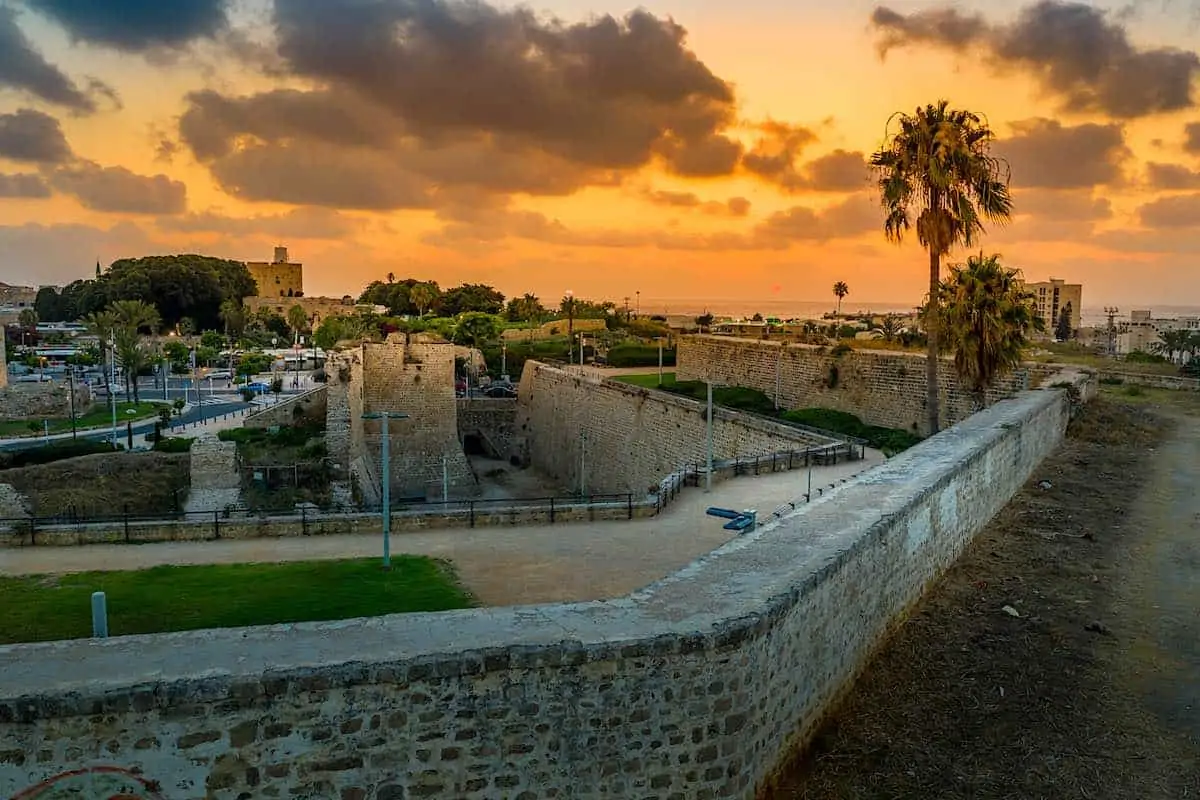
column 1092, row 691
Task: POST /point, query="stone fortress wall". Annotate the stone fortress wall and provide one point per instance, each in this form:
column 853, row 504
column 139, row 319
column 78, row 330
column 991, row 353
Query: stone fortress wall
column 411, row 374
column 39, row 401
column 3, row 367
column 880, row 387
column 693, row 687
column 622, row 438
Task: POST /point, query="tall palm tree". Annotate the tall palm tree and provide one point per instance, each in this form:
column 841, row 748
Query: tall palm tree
column 101, row 324
column 841, row 290
column 890, row 327
column 297, row 320
column 422, row 296
column 937, row 167
column 133, row 317
column 987, row 317
column 1171, row 343
column 233, row 315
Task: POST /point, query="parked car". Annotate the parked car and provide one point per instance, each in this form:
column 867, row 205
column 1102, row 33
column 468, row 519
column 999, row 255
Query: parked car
column 258, row 387
column 500, row 390
column 219, row 375
column 33, row 377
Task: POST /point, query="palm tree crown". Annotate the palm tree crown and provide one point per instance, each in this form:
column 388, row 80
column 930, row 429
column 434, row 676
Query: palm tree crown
column 841, row 290
column 987, row 316
column 936, row 170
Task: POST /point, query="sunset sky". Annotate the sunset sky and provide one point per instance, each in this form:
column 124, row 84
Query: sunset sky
column 680, row 149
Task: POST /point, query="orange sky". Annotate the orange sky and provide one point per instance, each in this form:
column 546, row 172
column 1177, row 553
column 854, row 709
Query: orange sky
column 719, row 159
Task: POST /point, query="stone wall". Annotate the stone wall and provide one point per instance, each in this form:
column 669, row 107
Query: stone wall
column 622, row 438
column 693, row 687
column 492, row 420
column 303, row 409
column 1174, row 382
column 3, row 365
column 880, row 387
column 213, row 467
column 413, row 375
column 39, row 401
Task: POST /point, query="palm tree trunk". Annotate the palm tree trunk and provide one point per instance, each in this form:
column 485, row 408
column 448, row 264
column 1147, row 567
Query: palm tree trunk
column 931, row 328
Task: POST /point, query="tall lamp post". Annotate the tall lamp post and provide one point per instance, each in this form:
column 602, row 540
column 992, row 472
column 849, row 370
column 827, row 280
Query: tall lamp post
column 709, row 436
column 383, row 417
column 569, row 302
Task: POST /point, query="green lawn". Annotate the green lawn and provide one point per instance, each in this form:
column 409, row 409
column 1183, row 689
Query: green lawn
column 648, row 380
column 161, row 599
column 99, row 416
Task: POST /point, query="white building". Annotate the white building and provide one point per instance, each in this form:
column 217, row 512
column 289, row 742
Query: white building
column 1142, row 331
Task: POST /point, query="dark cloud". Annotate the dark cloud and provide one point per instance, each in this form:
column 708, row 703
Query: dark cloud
column 1043, row 153
column 1180, row 211
column 1171, row 176
column 31, row 136
column 25, row 69
column 854, row 216
column 1191, row 141
column 116, row 189
column 607, row 93
column 1062, row 206
column 23, row 185
column 299, row 223
column 733, row 207
column 839, row 171
column 36, row 254
column 773, row 156
column 1075, row 51
column 135, row 25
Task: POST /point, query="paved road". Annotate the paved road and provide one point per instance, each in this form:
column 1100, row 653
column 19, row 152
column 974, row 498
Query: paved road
column 1161, row 590
column 195, row 415
column 502, row 566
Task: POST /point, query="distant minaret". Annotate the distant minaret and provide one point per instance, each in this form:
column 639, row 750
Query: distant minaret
column 97, row 270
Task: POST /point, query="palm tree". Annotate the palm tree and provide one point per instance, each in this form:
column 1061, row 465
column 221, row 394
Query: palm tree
column 422, row 296
column 938, row 168
column 391, row 277
column 101, row 324
column 132, row 317
column 890, row 327
column 297, row 320
column 987, row 317
column 233, row 314
column 1172, row 342
column 841, row 290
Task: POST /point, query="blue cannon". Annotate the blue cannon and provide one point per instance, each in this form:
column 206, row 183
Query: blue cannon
column 740, row 521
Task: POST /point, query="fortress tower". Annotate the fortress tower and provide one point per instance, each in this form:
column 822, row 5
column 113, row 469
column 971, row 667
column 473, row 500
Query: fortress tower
column 278, row 277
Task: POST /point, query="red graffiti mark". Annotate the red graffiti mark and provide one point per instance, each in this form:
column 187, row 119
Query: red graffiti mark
column 101, row 783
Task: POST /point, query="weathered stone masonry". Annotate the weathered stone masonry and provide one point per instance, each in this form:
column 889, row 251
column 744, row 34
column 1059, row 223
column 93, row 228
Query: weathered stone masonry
column 691, row 688
column 880, row 387
column 626, row 439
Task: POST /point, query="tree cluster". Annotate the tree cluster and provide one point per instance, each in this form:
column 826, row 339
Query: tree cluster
column 178, row 287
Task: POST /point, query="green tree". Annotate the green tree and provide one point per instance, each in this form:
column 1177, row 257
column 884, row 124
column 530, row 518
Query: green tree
column 297, row 320
column 1062, row 326
column 102, row 325
column 937, row 167
column 48, row 305
column 185, row 326
column 180, row 286
column 526, row 308
column 477, row 328
column 28, row 319
column 987, row 317
column 469, row 297
column 133, row 317
column 890, row 327
column 704, row 321
column 423, row 296
column 1174, row 344
column 840, row 290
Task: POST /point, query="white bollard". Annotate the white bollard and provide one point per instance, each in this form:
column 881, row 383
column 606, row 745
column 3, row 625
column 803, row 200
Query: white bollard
column 99, row 616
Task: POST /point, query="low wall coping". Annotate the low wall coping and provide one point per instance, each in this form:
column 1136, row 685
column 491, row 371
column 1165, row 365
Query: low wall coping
column 718, row 601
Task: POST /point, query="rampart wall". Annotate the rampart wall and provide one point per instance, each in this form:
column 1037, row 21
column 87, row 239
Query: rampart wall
column 494, row 420
column 693, row 687
column 39, row 401
column 611, row 437
column 301, row 409
column 880, row 387
column 1173, row 382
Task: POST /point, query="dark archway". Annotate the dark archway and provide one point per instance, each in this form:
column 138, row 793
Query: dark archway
column 473, row 445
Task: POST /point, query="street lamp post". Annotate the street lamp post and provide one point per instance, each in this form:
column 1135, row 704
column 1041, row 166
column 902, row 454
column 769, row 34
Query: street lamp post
column 709, row 437
column 383, row 417
column 112, row 370
column 570, row 297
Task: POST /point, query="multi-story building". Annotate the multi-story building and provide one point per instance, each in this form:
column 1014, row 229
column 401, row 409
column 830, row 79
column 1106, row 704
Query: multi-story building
column 1051, row 297
column 279, row 277
column 1142, row 332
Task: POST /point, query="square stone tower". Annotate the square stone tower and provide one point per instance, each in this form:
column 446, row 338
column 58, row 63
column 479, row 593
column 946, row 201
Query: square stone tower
column 409, row 374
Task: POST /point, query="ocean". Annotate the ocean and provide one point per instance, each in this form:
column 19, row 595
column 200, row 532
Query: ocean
column 809, row 309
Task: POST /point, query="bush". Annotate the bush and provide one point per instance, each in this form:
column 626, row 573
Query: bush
column 889, row 440
column 13, row 459
column 639, row 355
column 735, row 397
column 174, row 444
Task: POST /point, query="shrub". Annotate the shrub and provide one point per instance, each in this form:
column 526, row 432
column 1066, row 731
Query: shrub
column 889, row 440
column 639, row 355
column 174, row 444
column 53, row 452
column 735, row 397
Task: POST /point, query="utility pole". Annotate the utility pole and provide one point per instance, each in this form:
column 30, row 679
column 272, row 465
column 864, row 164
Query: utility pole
column 709, row 420
column 583, row 463
column 71, row 389
column 660, row 361
column 386, row 458
column 1112, row 312
column 112, row 397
